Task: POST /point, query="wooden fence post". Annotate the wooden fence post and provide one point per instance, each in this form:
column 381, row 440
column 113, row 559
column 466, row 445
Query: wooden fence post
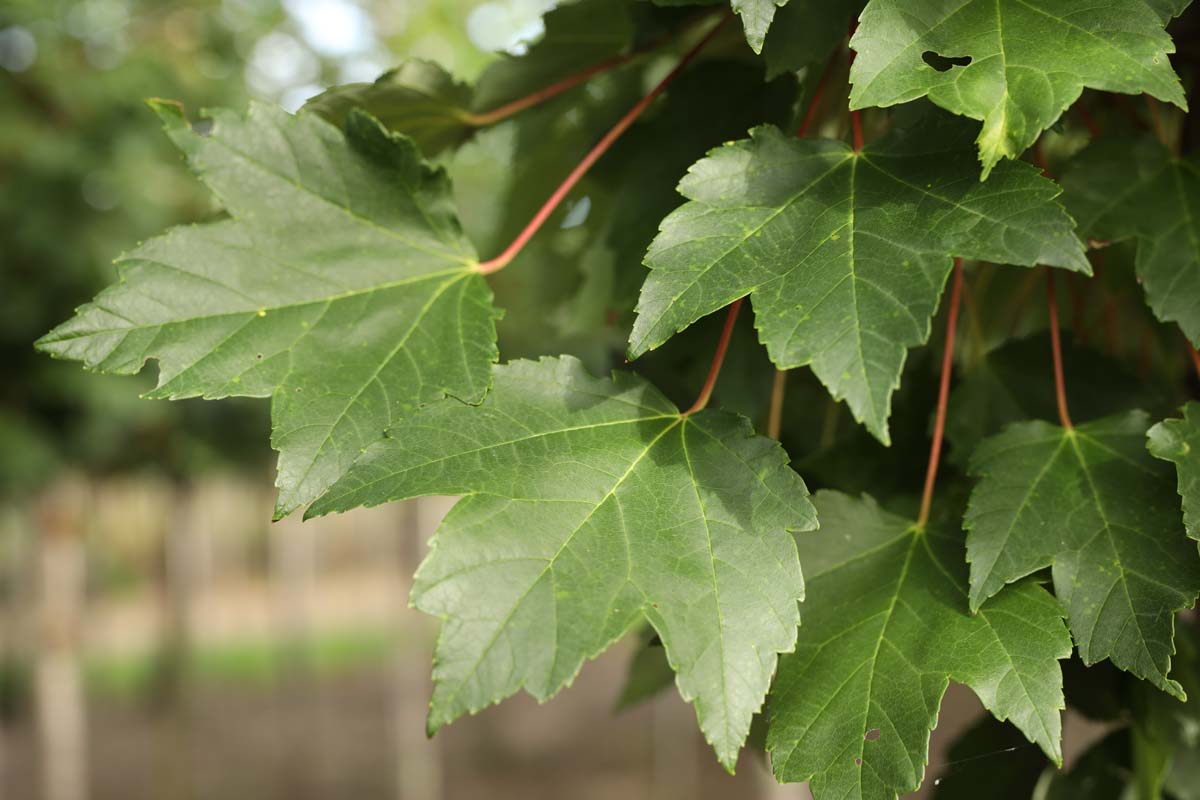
column 58, row 682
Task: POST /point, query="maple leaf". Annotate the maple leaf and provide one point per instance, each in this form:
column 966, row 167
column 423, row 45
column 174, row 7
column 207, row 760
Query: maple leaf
column 886, row 628
column 1015, row 65
column 1092, row 503
column 1123, row 188
column 844, row 254
column 341, row 286
column 1178, row 441
column 590, row 505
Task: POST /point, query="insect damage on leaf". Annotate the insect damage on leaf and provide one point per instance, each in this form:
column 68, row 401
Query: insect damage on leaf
column 1017, row 65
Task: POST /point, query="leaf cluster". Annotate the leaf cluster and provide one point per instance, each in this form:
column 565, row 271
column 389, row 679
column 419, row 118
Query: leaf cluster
column 833, row 184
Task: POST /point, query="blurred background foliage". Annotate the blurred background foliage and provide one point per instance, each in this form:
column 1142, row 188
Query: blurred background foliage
column 87, row 174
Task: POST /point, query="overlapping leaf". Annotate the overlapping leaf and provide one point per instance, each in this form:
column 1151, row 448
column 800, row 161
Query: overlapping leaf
column 1092, row 503
column 341, row 286
column 1016, row 65
column 1178, row 441
column 806, row 32
column 590, row 505
column 424, row 101
column 844, row 254
column 1120, row 188
column 886, row 627
column 417, row 98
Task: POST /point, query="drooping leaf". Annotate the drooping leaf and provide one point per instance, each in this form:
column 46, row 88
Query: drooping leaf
column 1093, row 504
column 757, row 16
column 1013, row 64
column 1123, row 188
column 417, row 98
column 341, row 286
column 886, row 627
column 590, row 505
column 1178, row 441
column 843, row 254
column 422, row 100
column 806, row 33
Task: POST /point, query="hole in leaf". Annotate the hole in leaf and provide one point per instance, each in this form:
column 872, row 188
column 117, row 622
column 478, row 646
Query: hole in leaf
column 943, row 63
column 872, row 734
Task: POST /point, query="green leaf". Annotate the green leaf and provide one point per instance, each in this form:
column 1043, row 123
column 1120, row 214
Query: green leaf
column 417, row 98
column 591, row 505
column 844, row 254
column 806, row 33
column 341, row 286
column 1178, row 441
column 1093, row 504
column 885, row 629
column 1122, row 188
column 1013, row 64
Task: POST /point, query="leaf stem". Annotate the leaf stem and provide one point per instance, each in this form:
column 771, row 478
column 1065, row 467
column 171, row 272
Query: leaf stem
column 856, row 122
column 503, row 112
column 1089, row 122
column 775, row 415
column 601, row 147
column 810, row 115
column 1060, row 391
column 939, row 425
column 1194, row 355
column 484, row 118
column 718, row 359
column 1160, row 129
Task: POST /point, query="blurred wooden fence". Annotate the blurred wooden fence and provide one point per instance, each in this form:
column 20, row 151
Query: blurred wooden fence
column 139, row 570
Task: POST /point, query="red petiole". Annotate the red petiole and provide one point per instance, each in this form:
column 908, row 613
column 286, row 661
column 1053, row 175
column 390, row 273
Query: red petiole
column 601, row 147
column 939, row 425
